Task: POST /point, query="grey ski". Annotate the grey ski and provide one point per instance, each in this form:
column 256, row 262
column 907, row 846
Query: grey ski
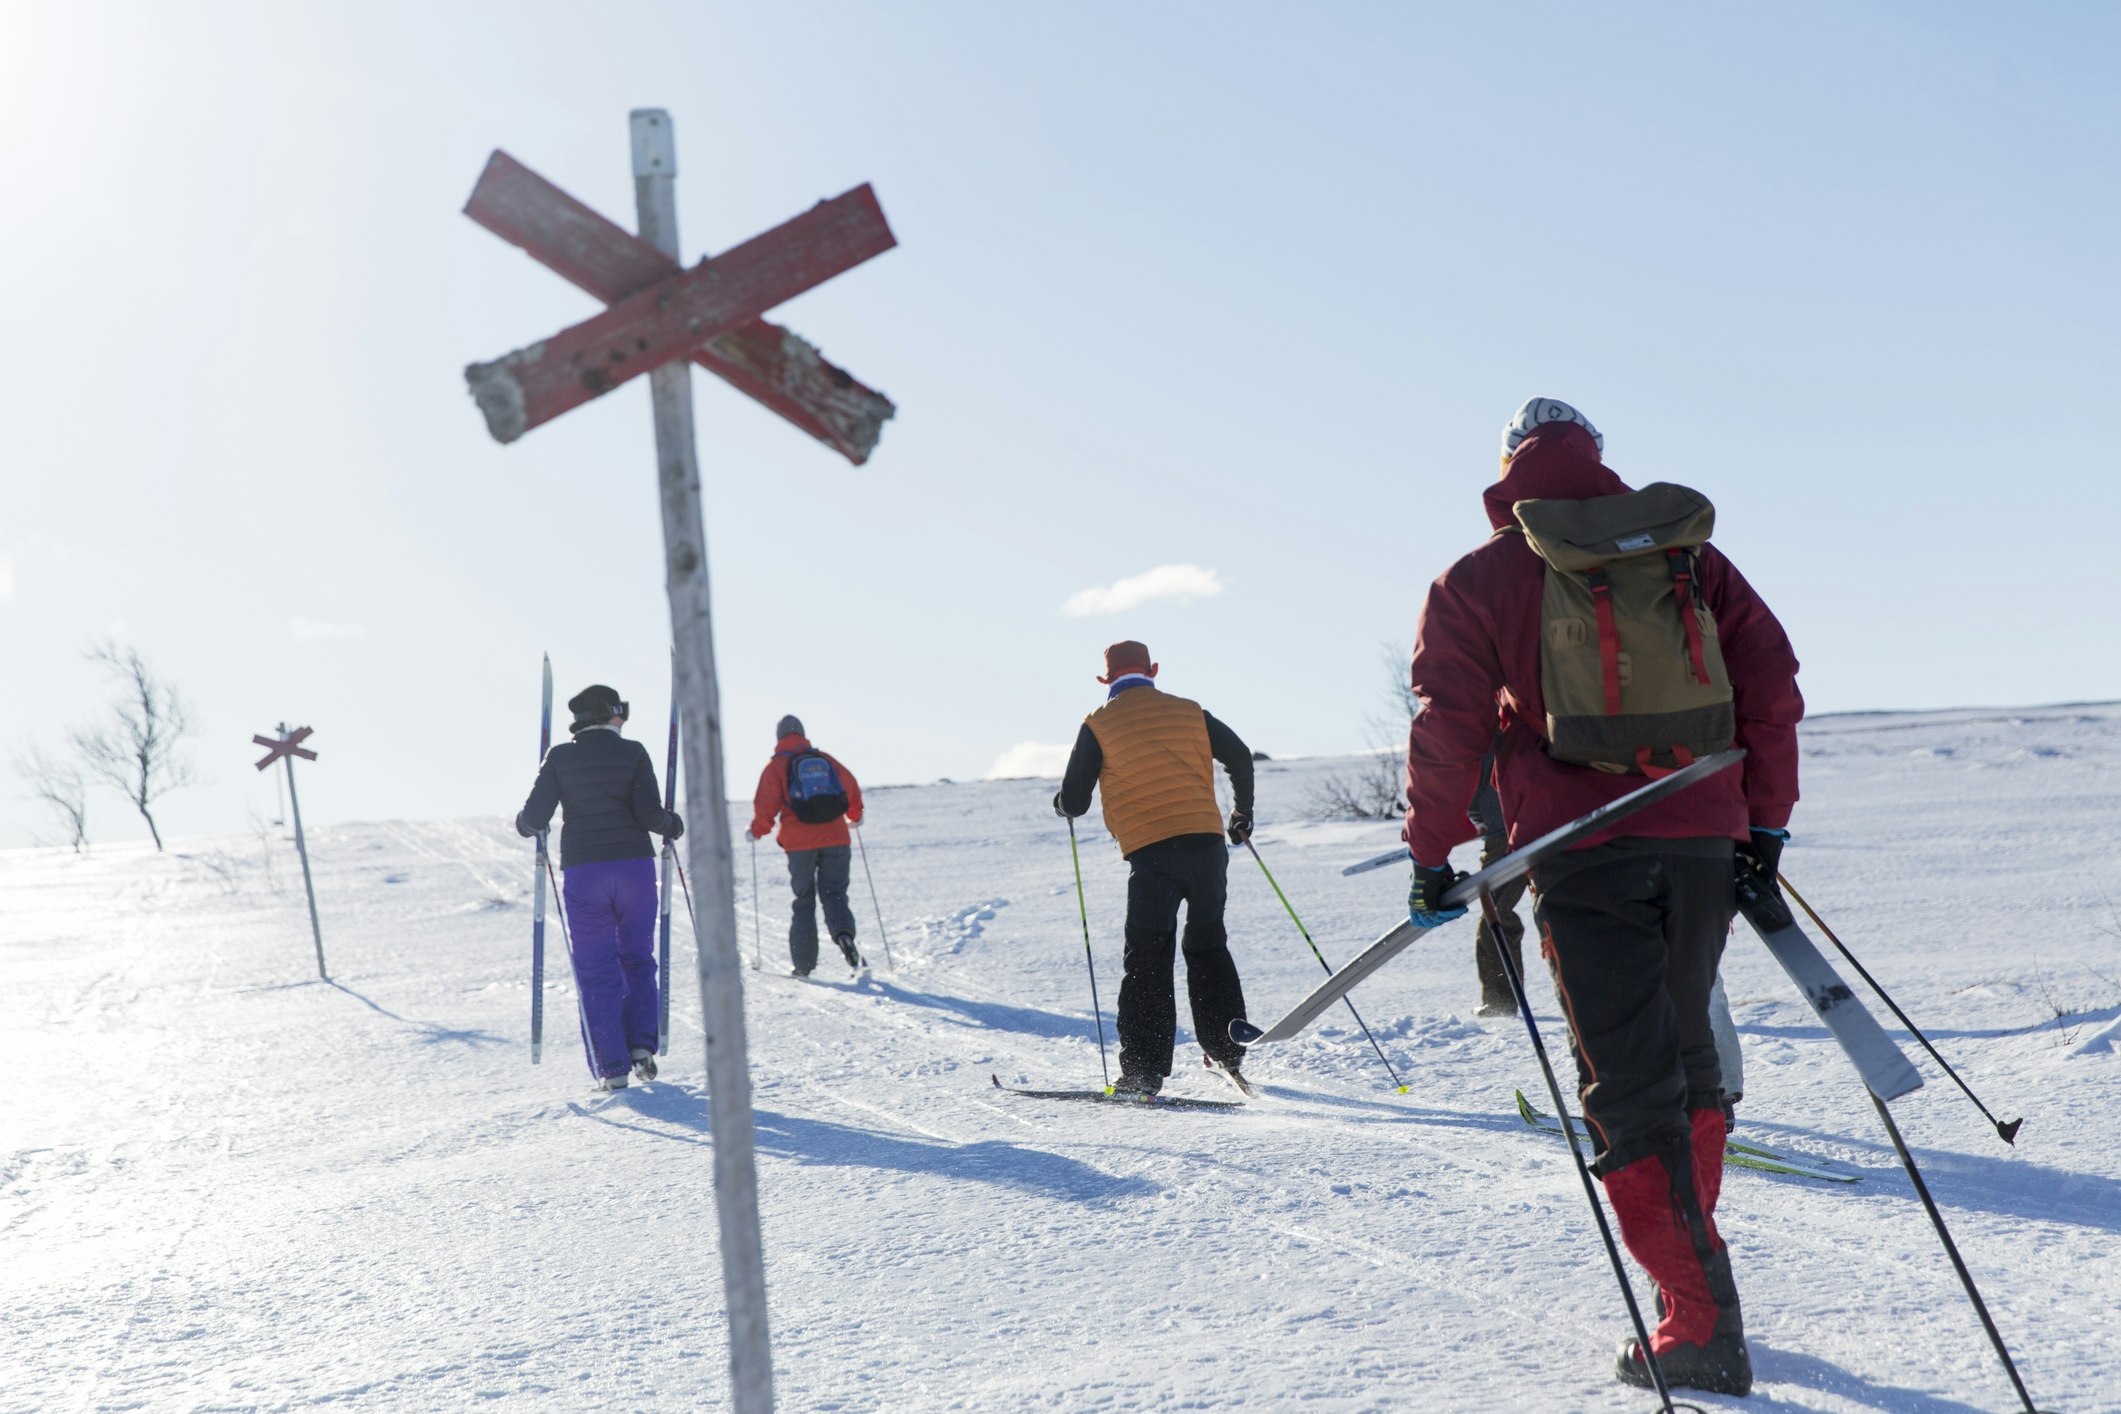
column 1886, row 1072
column 1736, row 1154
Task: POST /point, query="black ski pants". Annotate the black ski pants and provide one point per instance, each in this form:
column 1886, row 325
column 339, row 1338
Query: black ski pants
column 817, row 874
column 1633, row 932
column 1193, row 870
column 1488, row 949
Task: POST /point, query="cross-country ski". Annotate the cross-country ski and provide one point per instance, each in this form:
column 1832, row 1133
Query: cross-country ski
column 1368, row 708
column 1736, row 1153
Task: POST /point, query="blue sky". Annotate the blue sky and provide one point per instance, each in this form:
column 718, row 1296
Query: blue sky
column 1244, row 288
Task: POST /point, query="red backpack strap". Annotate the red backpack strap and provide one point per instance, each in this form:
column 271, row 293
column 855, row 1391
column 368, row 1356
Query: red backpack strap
column 1682, row 563
column 1608, row 637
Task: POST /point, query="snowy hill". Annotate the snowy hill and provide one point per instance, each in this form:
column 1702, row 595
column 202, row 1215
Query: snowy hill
column 225, row 1185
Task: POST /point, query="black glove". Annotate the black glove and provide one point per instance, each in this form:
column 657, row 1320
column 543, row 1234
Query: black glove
column 1060, row 809
column 1240, row 826
column 1763, row 852
column 1425, row 905
column 676, row 830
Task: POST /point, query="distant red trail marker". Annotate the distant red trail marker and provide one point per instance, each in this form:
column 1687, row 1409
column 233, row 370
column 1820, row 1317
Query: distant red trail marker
column 286, row 747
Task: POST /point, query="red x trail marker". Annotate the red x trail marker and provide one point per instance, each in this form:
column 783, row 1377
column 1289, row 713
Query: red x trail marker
column 289, row 745
column 769, row 364
column 672, row 318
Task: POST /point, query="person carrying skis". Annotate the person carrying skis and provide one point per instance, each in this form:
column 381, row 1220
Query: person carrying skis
column 816, row 799
column 1154, row 757
column 604, row 785
column 1614, row 643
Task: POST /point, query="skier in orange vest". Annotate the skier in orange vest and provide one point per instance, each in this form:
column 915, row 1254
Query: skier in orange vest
column 1154, row 757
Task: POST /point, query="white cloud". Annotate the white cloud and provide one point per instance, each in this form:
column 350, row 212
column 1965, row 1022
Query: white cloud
column 310, row 630
column 1029, row 758
column 1181, row 582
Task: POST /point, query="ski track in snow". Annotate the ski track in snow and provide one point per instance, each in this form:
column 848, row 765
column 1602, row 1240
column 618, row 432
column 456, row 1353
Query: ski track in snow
column 226, row 1185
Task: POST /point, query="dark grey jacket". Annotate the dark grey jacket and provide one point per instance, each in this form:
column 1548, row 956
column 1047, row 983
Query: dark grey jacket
column 606, row 785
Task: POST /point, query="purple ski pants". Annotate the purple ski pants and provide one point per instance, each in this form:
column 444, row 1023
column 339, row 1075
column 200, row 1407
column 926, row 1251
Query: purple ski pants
column 611, row 917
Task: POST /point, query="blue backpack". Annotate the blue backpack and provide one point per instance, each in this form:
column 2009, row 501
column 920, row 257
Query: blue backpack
column 815, row 792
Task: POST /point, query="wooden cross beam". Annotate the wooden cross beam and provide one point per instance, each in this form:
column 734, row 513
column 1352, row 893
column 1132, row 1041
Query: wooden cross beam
column 771, row 365
column 670, row 319
column 289, row 745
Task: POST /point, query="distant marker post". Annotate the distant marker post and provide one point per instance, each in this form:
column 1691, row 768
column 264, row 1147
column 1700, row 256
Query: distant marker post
column 286, row 747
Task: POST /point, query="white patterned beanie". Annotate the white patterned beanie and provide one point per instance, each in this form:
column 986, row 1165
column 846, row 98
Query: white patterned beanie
column 1535, row 413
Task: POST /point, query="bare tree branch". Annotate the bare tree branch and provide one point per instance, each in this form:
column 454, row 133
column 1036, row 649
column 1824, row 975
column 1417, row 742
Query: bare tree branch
column 1375, row 789
column 135, row 747
column 61, row 785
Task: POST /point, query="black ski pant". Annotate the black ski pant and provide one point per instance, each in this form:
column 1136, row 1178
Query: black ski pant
column 1633, row 932
column 1488, row 950
column 817, row 874
column 1193, row 870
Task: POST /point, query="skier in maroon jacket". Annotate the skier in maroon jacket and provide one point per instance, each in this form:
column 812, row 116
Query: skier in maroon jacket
column 1632, row 926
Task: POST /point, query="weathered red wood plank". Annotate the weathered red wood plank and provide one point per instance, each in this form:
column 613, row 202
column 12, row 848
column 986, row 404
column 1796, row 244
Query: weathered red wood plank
column 670, row 319
column 765, row 362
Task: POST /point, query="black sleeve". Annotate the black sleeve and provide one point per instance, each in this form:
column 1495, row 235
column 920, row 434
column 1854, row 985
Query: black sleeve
column 1084, row 764
column 544, row 799
column 1236, row 758
column 642, row 798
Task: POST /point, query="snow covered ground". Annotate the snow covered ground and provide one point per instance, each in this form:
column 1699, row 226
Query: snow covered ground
column 225, row 1185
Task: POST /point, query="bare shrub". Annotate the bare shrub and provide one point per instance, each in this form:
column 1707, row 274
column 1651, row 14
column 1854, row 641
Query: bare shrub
column 135, row 748
column 61, row 785
column 1376, row 788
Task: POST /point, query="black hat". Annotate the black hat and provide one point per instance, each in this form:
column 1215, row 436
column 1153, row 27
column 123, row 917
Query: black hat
column 594, row 706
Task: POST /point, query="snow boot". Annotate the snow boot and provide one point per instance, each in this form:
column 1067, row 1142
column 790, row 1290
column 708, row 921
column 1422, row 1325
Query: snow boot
column 1138, row 1087
column 644, row 1064
column 1722, row 1366
column 1700, row 1338
column 848, row 950
column 1493, row 1006
column 611, row 1082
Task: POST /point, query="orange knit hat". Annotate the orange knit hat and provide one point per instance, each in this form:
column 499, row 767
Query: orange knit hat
column 1127, row 657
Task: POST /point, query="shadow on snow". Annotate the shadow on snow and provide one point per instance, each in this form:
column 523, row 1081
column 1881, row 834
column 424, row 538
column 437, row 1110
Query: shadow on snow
column 819, row 1142
column 1809, row 1371
column 429, row 1032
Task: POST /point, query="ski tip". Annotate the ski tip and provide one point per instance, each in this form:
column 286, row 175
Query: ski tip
column 1244, row 1032
column 2008, row 1133
column 996, row 1079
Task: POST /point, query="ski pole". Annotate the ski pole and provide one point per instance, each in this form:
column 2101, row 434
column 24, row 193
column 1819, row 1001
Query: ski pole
column 1951, row 1250
column 1083, row 907
column 2008, row 1133
column 567, row 941
column 1493, row 914
column 1323, row 963
column 758, row 925
column 872, row 900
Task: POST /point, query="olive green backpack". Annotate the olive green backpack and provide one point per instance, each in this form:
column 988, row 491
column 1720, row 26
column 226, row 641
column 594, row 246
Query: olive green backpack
column 1630, row 663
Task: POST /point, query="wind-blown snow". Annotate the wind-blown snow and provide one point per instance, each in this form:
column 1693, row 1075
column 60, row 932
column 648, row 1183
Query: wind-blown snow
column 225, row 1185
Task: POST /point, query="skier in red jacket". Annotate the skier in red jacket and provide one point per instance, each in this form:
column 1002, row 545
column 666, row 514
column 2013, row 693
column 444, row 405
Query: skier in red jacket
column 815, row 798
column 1632, row 925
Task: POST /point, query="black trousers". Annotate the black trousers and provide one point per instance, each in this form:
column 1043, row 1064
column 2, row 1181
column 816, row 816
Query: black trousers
column 1193, row 870
column 1487, row 948
column 815, row 875
column 1633, row 932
